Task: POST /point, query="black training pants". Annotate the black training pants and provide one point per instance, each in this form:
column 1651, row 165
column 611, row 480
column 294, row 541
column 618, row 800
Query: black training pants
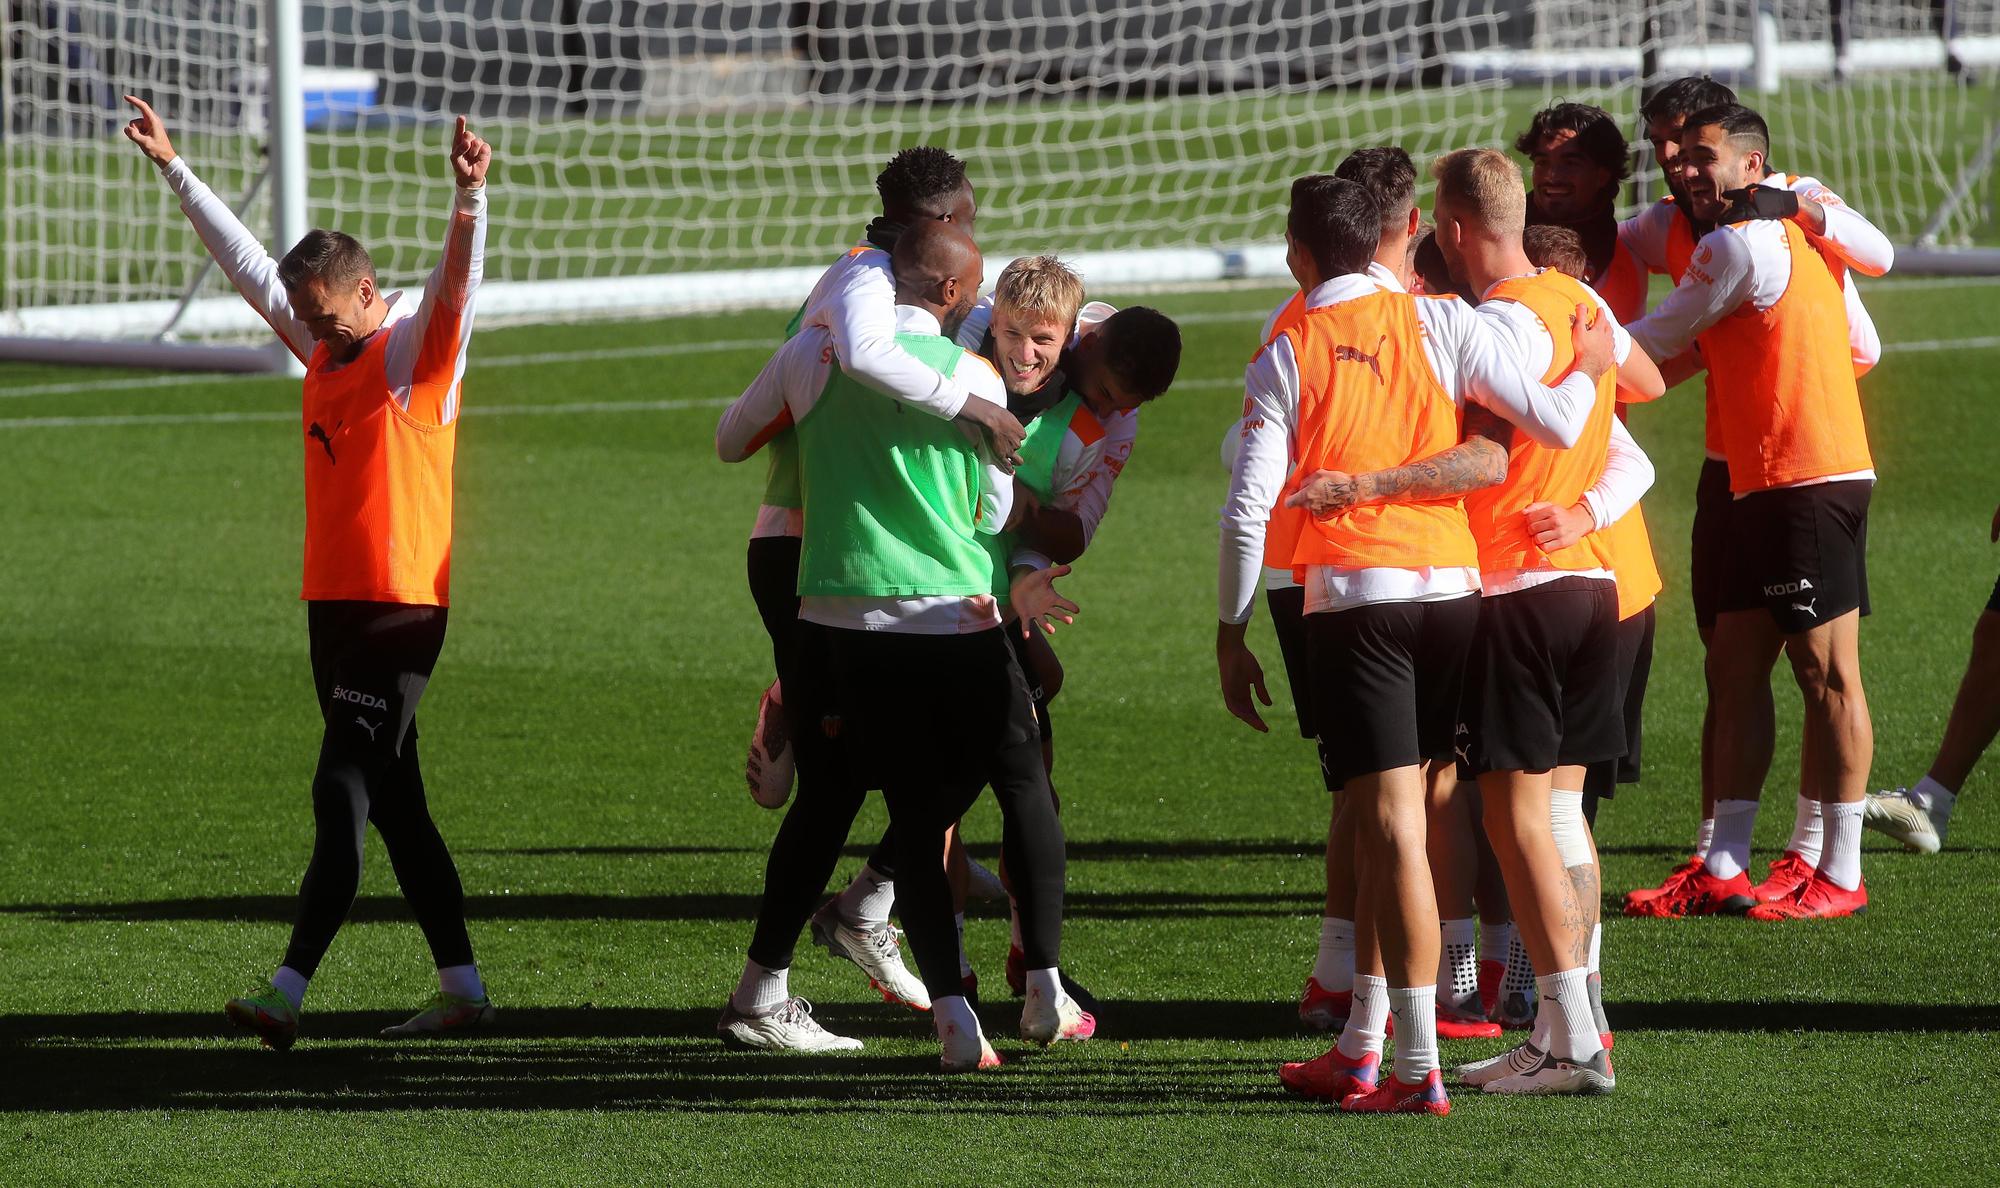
column 370, row 664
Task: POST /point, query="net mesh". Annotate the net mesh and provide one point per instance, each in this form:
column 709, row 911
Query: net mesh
column 644, row 138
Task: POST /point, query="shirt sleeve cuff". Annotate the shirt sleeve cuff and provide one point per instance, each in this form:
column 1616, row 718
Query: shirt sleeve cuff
column 1595, row 503
column 472, row 201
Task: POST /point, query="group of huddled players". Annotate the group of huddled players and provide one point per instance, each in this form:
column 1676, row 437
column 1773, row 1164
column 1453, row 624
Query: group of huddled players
column 1433, row 482
column 1430, row 478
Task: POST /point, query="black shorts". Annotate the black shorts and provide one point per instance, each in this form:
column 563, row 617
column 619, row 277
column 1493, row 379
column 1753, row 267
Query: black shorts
column 1541, row 684
column 1038, row 694
column 1800, row 553
column 922, row 711
column 1635, row 668
column 774, row 586
column 1385, row 683
column 1288, row 620
column 371, row 662
column 1708, row 557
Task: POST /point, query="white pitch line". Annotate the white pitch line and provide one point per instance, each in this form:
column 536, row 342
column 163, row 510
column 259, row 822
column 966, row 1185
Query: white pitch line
column 480, row 363
column 115, row 421
column 125, row 420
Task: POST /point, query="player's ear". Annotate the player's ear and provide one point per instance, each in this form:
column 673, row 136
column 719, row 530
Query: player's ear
column 365, row 290
column 1416, row 219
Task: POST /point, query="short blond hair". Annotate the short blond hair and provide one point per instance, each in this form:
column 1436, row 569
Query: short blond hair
column 1484, row 186
column 1039, row 289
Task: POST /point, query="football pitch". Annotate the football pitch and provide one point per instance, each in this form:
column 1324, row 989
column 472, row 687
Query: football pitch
column 584, row 739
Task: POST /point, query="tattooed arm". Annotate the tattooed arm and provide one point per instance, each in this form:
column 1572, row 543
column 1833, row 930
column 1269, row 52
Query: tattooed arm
column 1478, row 461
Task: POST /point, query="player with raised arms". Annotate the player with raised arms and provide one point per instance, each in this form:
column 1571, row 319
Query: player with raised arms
column 378, row 429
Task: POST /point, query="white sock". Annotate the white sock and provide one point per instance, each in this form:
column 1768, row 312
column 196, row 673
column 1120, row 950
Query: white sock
column 1729, row 852
column 869, row 898
column 1596, row 943
column 292, row 984
column 1045, row 982
column 1539, row 1033
column 1808, row 827
column 1572, row 1028
column 461, row 981
column 946, row 1012
column 1933, row 797
column 1458, row 962
column 1014, row 924
column 964, row 960
column 1416, row 1032
column 761, row 991
column 1334, row 967
column 1367, row 1019
column 1494, row 939
column 1520, row 977
column 1840, row 862
column 1703, row 837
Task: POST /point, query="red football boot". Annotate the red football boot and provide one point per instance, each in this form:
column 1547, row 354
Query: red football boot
column 1391, row 1096
column 1818, row 898
column 1787, row 875
column 1331, row 1076
column 1457, row 1022
column 1674, row 881
column 1702, row 894
column 1321, row 1009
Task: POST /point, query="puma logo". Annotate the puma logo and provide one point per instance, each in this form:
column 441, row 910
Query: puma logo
column 364, row 724
column 1807, row 607
column 325, row 439
column 1348, row 354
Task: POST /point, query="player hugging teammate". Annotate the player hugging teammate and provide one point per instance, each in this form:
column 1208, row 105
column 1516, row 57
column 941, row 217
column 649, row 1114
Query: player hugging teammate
column 924, row 545
column 1445, row 505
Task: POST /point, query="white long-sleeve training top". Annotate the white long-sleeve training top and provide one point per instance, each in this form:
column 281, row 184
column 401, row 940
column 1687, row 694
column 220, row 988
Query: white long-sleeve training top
column 1470, row 355
column 412, row 349
column 1858, row 242
column 787, row 389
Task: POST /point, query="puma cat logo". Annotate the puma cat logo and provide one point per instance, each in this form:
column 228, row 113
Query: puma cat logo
column 325, row 439
column 1348, row 354
column 371, row 729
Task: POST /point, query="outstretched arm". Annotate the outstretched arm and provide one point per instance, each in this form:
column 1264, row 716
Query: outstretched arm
column 1478, row 461
column 426, row 353
column 238, row 252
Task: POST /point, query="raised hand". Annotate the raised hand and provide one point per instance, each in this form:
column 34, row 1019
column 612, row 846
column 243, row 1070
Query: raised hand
column 1033, row 596
column 1001, row 429
column 469, row 158
column 149, row 132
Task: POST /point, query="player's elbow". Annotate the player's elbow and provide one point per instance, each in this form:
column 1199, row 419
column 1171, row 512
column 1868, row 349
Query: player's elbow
column 1489, row 459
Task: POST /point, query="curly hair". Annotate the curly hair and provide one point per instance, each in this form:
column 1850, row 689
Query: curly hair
column 1597, row 135
column 919, row 179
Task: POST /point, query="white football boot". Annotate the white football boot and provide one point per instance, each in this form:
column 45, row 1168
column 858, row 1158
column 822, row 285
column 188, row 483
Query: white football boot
column 790, row 1028
column 874, row 948
column 1921, row 830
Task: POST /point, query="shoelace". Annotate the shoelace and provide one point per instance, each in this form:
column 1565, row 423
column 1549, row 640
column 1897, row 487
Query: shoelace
column 798, row 1013
column 883, row 940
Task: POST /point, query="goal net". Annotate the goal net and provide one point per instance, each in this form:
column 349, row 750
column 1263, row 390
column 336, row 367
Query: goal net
column 663, row 155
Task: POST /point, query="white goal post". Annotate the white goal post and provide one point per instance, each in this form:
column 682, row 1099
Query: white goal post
column 674, row 155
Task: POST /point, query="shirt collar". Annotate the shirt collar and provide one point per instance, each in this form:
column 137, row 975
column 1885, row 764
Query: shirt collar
column 1503, row 280
column 911, row 320
column 1345, row 287
column 1383, row 278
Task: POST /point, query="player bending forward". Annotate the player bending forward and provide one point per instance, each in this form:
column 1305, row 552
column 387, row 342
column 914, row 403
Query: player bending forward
column 378, row 428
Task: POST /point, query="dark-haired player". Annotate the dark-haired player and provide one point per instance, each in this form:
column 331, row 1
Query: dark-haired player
column 1663, row 238
column 1769, row 314
column 855, row 301
column 379, row 430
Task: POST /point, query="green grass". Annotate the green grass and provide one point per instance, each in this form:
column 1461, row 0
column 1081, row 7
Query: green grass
column 793, row 185
column 583, row 740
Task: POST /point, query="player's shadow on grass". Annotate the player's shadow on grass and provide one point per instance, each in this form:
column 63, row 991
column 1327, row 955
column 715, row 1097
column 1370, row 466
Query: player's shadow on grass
column 576, row 1059
column 988, row 852
column 280, row 909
